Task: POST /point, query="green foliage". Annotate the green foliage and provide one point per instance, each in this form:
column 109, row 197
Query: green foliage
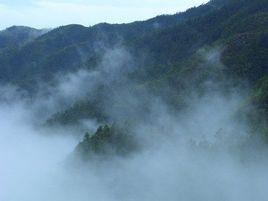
column 107, row 140
column 258, row 116
column 172, row 58
column 79, row 111
column 18, row 35
column 168, row 51
column 246, row 56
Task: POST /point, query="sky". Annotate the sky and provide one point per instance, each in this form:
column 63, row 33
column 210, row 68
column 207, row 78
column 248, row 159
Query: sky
column 54, row 13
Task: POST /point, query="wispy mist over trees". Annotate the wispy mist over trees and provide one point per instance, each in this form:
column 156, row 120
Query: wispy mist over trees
column 172, row 108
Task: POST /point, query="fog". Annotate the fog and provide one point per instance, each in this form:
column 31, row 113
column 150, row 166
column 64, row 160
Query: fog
column 204, row 152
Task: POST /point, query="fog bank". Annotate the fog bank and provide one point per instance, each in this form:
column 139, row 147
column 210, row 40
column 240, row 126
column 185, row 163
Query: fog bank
column 204, row 152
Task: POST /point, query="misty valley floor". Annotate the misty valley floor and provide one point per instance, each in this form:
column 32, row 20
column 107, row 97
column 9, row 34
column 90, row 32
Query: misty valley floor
column 169, row 167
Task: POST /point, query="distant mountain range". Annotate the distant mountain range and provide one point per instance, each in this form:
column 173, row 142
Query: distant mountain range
column 17, row 36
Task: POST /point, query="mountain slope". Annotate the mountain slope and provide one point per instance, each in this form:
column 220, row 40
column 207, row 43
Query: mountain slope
column 180, row 59
column 174, row 55
column 73, row 47
column 18, row 35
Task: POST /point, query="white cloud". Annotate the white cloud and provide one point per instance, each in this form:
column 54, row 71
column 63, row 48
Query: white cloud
column 54, row 13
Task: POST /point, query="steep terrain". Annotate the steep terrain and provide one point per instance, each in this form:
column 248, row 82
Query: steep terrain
column 223, row 42
column 17, row 36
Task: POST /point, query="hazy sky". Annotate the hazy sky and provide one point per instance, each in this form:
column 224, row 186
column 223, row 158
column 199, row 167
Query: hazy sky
column 52, row 13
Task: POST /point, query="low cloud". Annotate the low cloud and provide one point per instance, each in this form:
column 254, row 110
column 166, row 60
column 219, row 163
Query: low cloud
column 201, row 152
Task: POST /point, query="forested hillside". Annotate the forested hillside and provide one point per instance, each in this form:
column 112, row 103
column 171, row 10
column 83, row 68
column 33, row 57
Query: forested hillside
column 171, row 108
column 231, row 34
column 170, row 56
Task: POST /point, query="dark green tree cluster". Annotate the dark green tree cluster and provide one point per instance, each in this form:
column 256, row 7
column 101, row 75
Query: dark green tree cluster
column 81, row 110
column 107, row 141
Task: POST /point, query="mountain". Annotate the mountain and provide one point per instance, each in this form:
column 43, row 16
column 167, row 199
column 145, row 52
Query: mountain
column 174, row 55
column 71, row 47
column 17, row 36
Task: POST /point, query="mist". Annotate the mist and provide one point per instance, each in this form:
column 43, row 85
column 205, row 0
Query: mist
column 203, row 152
